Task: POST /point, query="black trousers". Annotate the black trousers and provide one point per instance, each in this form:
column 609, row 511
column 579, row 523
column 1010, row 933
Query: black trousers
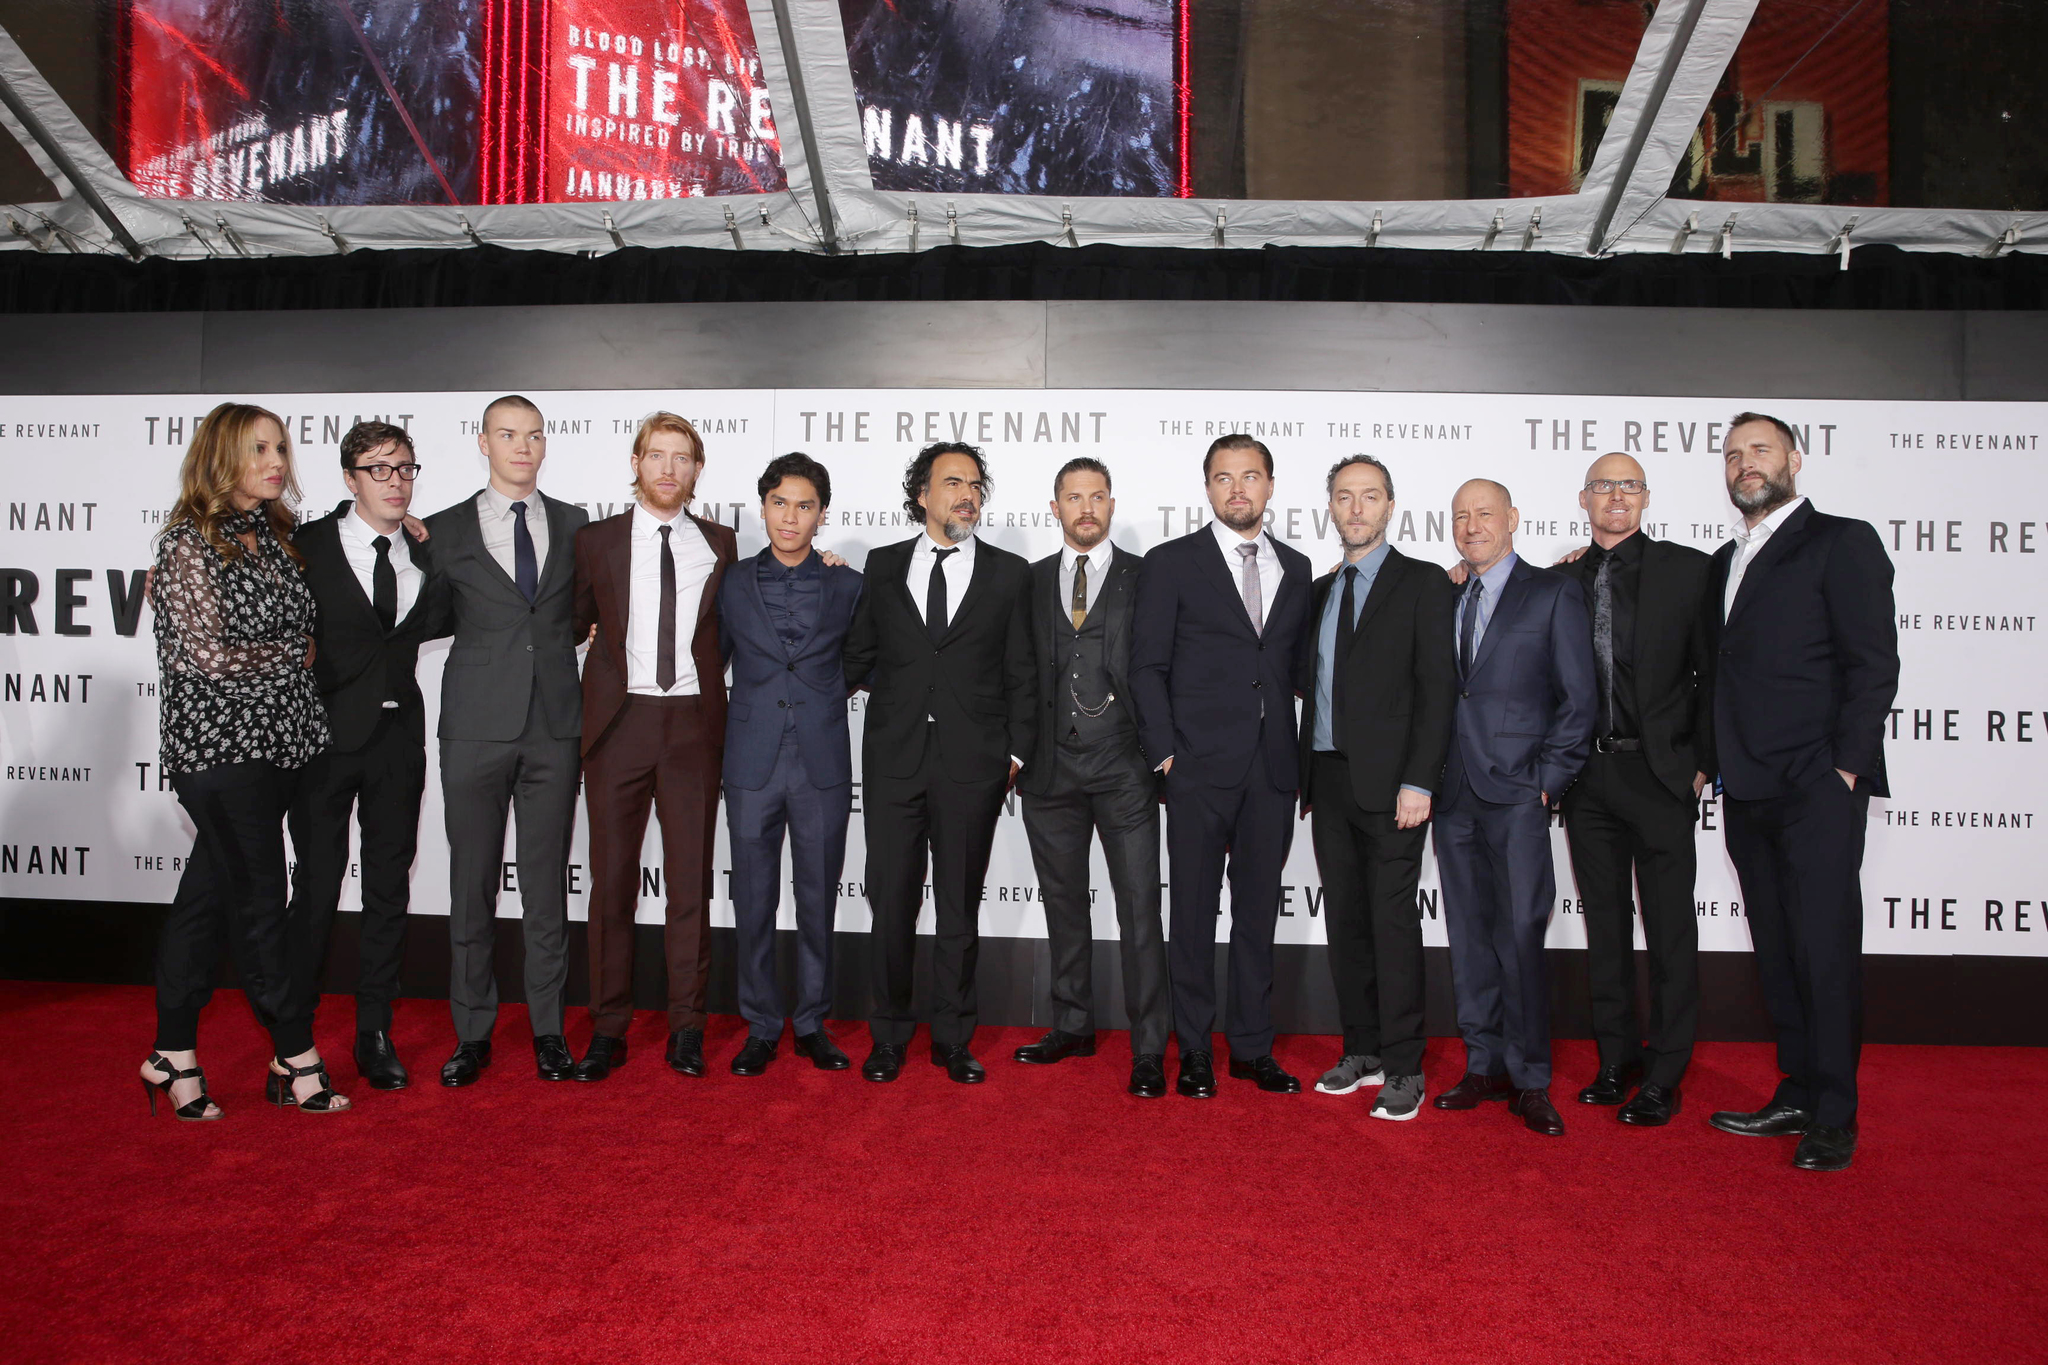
column 1799, row 858
column 1631, row 837
column 1371, row 869
column 233, row 889
column 382, row 783
column 1251, row 825
column 1103, row 789
column 908, row 819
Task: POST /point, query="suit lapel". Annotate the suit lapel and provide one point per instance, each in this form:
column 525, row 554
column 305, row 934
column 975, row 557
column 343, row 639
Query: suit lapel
column 1045, row 587
column 473, row 523
column 1775, row 548
column 707, row 599
column 1391, row 569
column 1210, row 556
column 1116, row 598
column 977, row 587
column 618, row 562
column 561, row 543
column 1503, row 611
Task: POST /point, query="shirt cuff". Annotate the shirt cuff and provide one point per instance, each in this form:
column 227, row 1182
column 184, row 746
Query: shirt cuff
column 1419, row 791
column 1161, row 766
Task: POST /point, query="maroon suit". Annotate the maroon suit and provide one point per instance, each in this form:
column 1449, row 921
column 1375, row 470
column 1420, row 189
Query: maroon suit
column 640, row 751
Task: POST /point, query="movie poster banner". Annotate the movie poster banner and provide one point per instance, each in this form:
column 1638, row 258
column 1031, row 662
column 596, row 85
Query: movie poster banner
column 1956, row 490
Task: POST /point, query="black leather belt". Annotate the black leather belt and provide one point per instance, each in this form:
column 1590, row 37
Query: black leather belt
column 1618, row 746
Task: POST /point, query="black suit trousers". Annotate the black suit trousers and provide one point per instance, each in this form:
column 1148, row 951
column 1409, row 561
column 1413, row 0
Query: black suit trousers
column 1370, row 869
column 1104, row 789
column 382, row 783
column 1799, row 858
column 1629, row 835
column 1251, row 825
column 953, row 823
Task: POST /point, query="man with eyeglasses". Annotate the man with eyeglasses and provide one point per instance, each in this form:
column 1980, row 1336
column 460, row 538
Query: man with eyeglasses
column 1629, row 818
column 379, row 599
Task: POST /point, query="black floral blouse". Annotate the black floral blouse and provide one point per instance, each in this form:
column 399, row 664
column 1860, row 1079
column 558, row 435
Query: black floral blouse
column 231, row 644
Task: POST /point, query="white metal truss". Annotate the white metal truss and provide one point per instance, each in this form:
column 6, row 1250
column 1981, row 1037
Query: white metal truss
column 831, row 203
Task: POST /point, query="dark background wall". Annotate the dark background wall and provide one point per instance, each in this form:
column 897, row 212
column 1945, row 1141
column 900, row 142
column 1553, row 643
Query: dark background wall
column 1742, row 354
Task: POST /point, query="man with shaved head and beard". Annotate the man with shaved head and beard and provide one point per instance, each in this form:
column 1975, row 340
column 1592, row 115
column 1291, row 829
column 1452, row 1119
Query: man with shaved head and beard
column 1806, row 667
column 1630, row 815
column 1519, row 735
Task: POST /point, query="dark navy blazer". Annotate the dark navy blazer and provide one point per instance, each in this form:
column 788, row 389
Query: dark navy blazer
column 1524, row 721
column 769, row 679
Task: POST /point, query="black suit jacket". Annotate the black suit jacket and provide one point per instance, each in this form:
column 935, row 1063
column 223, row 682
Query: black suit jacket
column 357, row 664
column 1113, row 602
column 1672, row 660
column 1806, row 666
column 1400, row 683
column 1201, row 675
column 976, row 682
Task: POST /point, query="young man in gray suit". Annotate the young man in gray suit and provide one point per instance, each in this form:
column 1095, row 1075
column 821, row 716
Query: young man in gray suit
column 511, row 720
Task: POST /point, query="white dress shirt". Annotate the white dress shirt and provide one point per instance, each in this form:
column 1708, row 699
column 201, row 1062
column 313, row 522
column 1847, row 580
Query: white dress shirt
column 959, row 573
column 1749, row 541
column 356, row 547
column 1099, row 560
column 695, row 559
column 496, row 519
column 1268, row 560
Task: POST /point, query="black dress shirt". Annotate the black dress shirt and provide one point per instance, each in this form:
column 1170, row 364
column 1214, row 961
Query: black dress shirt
column 792, row 596
column 1617, row 716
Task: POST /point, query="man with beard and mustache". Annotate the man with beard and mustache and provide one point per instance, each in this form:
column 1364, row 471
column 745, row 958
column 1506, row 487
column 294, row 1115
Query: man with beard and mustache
column 1215, row 665
column 1383, row 677
column 942, row 643
column 1087, row 776
column 1805, row 669
column 653, row 733
column 1631, row 814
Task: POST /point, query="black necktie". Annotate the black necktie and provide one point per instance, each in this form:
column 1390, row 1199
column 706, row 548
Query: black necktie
column 935, row 596
column 1470, row 624
column 1603, row 636
column 665, row 630
column 384, row 584
column 1345, row 630
column 525, row 564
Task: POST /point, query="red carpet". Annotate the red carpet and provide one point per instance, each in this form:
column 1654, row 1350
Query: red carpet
column 1043, row 1217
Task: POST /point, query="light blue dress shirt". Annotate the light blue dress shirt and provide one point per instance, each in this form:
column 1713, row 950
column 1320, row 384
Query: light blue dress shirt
column 1368, row 570
column 1492, row 584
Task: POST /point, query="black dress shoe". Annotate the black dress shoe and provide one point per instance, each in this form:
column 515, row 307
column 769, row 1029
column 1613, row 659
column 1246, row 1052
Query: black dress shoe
column 1197, row 1076
column 1652, row 1107
column 959, row 1063
column 686, row 1051
column 1148, row 1076
column 1056, row 1047
column 551, row 1057
column 754, row 1057
column 884, row 1063
column 1267, row 1073
column 1773, row 1120
column 1537, row 1112
column 467, row 1064
column 604, row 1054
column 1826, row 1149
column 1613, row 1083
column 823, row 1052
column 1472, row 1090
column 377, row 1061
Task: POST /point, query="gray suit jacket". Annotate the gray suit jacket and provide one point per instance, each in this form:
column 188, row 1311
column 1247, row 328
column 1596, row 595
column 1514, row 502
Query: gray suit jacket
column 504, row 647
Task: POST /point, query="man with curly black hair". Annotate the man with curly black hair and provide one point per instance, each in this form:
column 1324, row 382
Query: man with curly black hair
column 942, row 644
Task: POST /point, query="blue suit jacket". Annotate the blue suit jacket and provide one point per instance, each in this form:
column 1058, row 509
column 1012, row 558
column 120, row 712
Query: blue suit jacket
column 1524, row 720
column 1200, row 674
column 769, row 679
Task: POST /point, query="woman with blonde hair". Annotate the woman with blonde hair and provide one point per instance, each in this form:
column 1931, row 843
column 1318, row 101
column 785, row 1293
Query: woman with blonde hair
column 240, row 717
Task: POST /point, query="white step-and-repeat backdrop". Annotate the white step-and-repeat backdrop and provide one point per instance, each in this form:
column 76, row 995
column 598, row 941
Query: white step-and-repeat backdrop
column 1957, row 490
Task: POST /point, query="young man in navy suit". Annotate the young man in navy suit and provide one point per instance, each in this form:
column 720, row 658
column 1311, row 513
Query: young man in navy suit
column 1519, row 735
column 783, row 617
column 1215, row 663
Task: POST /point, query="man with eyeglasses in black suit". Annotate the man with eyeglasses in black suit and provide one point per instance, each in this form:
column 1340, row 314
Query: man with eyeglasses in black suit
column 379, row 600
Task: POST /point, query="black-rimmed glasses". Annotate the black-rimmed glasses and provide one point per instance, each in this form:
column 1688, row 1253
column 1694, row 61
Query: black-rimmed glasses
column 382, row 472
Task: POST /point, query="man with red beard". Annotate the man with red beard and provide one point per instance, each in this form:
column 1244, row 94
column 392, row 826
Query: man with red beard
column 653, row 733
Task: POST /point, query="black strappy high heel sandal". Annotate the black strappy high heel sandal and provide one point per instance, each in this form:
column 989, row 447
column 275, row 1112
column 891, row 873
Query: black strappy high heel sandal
column 278, row 1089
column 192, row 1111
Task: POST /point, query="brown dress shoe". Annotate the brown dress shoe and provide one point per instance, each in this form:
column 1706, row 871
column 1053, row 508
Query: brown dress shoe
column 1472, row 1090
column 1537, row 1112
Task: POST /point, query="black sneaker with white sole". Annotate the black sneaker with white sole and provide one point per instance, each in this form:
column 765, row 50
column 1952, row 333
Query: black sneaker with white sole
column 1354, row 1070
column 1400, row 1099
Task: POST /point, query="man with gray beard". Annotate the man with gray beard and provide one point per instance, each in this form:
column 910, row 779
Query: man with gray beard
column 1806, row 665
